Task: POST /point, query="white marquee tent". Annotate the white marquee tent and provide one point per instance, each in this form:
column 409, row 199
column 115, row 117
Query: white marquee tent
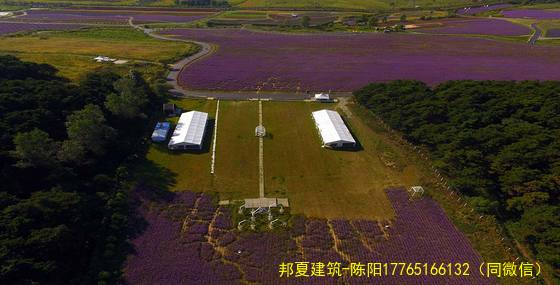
column 189, row 132
column 332, row 129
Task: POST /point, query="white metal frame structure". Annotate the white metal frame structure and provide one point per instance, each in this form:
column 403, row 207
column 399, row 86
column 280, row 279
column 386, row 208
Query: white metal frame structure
column 416, row 191
column 332, row 129
column 189, row 132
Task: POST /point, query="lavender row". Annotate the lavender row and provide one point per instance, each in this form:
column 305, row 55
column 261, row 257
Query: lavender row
column 207, row 249
column 493, row 27
column 532, row 14
column 344, row 62
column 9, row 28
column 117, row 17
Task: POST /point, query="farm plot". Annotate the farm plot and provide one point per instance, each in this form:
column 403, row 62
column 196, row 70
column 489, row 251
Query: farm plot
column 117, row 17
column 494, row 27
column 72, row 52
column 481, row 9
column 246, row 60
column 10, row 27
column 189, row 239
column 553, row 33
column 532, row 14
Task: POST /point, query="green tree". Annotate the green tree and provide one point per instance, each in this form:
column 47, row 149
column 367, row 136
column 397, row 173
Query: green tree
column 372, row 21
column 34, row 148
column 129, row 100
column 87, row 127
column 403, row 18
column 305, row 21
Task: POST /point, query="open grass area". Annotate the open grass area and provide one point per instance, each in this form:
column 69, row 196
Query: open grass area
column 236, row 152
column 72, row 52
column 184, row 170
column 244, row 15
column 329, row 183
column 318, row 182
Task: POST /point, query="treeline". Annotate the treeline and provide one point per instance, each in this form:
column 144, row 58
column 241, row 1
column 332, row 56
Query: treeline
column 64, row 202
column 499, row 142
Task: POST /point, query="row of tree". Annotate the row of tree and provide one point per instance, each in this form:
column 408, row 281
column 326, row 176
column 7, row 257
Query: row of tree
column 64, row 147
column 497, row 141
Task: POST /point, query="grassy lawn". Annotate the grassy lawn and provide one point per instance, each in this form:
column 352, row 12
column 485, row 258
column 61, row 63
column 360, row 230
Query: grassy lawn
column 189, row 170
column 236, row 166
column 244, row 15
column 318, row 182
column 72, row 52
column 328, row 183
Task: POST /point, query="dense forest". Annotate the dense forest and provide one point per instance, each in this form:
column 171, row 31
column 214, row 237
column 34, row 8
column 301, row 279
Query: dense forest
column 497, row 141
column 63, row 153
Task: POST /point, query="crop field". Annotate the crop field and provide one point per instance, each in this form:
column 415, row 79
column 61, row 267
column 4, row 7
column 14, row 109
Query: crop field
column 248, row 60
column 481, row 9
column 493, row 27
column 319, row 182
column 72, row 52
column 532, row 14
column 190, row 239
column 553, row 33
column 347, row 4
column 10, row 28
column 109, row 16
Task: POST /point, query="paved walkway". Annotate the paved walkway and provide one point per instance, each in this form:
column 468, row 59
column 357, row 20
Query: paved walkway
column 536, row 35
column 215, row 137
column 261, row 155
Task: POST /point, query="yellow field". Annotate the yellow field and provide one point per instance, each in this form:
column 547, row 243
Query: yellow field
column 72, row 52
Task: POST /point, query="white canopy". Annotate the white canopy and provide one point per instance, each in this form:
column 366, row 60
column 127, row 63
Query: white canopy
column 332, row 129
column 322, row 96
column 189, row 131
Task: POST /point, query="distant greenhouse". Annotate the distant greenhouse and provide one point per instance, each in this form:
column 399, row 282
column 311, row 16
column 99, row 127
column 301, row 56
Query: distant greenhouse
column 161, row 131
column 332, row 129
column 189, row 133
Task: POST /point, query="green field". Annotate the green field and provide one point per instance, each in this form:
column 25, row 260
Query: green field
column 72, row 52
column 318, row 182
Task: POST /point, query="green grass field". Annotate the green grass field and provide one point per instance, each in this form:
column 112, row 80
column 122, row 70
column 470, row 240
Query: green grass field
column 72, row 52
column 318, row 182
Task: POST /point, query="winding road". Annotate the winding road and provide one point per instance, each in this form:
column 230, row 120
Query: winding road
column 206, row 50
column 536, row 35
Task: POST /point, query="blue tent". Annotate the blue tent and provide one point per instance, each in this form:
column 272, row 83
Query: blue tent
column 160, row 131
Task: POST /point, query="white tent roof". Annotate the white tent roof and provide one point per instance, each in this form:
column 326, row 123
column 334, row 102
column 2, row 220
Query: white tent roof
column 190, row 129
column 332, row 127
column 322, row 96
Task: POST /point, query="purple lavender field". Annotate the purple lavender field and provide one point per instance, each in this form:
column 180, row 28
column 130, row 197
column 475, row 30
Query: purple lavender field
column 108, row 16
column 553, row 33
column 476, row 10
column 9, row 28
column 532, row 14
column 492, row 27
column 248, row 60
column 190, row 240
